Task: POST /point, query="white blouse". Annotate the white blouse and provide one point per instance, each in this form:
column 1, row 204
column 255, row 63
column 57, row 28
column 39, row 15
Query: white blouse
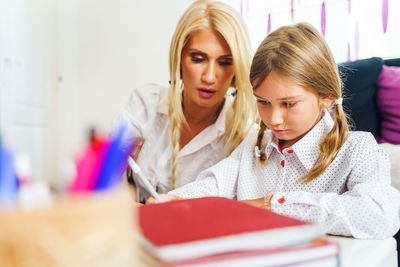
column 353, row 197
column 147, row 115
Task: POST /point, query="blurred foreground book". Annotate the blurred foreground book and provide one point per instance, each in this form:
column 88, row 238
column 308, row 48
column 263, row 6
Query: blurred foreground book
column 216, row 231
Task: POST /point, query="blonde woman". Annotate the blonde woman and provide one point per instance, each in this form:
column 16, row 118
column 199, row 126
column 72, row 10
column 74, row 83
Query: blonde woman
column 302, row 161
column 208, row 107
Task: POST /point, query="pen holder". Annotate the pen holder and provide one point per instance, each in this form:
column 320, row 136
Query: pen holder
column 96, row 229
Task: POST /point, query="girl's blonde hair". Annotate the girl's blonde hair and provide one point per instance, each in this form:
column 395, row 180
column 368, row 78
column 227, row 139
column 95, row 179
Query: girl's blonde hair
column 300, row 53
column 204, row 15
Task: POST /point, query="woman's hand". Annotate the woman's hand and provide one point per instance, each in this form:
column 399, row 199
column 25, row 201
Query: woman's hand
column 164, row 197
column 138, row 146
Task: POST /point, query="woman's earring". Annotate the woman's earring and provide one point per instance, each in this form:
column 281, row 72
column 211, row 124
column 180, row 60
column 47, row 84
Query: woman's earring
column 325, row 104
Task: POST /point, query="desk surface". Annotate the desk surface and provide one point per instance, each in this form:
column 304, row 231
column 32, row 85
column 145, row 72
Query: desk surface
column 366, row 253
column 97, row 230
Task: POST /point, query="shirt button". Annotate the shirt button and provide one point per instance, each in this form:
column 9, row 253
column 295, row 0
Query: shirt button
column 290, row 151
column 283, row 163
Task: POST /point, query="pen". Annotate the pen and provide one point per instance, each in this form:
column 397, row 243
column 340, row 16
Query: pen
column 136, row 170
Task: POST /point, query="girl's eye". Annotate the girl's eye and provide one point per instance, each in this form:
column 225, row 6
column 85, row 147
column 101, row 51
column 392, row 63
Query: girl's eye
column 289, row 104
column 263, row 102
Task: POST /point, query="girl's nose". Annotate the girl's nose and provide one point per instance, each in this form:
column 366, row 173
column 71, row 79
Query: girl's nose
column 276, row 116
column 209, row 75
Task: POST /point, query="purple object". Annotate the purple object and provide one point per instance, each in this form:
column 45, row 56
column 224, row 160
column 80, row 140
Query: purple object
column 115, row 162
column 388, row 98
column 8, row 179
column 349, row 6
column 292, row 9
column 385, row 9
column 269, row 24
column 323, row 19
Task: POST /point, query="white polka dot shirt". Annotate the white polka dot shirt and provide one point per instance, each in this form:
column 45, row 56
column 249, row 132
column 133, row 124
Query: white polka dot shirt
column 353, row 197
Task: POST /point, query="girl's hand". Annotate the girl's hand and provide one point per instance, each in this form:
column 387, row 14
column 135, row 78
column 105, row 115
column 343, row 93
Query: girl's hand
column 164, row 197
column 259, row 202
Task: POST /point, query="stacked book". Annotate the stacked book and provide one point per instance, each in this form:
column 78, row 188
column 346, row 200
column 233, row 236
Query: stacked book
column 216, row 231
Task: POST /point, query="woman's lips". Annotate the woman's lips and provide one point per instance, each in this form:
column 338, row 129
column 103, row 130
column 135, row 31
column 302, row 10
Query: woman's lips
column 206, row 93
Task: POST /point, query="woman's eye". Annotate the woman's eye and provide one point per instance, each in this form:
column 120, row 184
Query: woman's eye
column 197, row 59
column 289, row 104
column 225, row 62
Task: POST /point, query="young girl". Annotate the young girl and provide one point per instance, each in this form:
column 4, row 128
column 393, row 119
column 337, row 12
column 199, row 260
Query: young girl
column 205, row 112
column 302, row 161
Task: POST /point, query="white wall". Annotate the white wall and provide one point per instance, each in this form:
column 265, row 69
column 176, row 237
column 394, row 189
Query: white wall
column 121, row 43
column 27, row 80
column 105, row 48
column 354, row 29
column 67, row 65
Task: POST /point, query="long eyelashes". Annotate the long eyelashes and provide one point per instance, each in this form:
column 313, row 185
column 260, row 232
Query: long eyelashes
column 289, row 104
column 225, row 63
column 263, row 102
column 199, row 59
column 286, row 104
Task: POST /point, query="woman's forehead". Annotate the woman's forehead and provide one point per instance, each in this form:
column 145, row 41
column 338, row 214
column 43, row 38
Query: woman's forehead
column 209, row 42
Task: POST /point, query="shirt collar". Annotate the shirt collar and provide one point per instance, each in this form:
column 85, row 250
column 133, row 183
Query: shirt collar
column 307, row 148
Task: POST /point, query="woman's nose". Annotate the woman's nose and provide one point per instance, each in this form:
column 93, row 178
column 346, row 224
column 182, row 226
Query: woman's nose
column 209, row 74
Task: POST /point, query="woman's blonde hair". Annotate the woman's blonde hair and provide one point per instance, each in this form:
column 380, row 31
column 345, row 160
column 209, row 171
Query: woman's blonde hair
column 204, row 15
column 300, row 53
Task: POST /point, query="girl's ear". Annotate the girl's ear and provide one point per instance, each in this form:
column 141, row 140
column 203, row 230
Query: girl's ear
column 326, row 101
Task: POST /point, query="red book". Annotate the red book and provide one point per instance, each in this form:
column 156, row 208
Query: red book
column 193, row 228
column 317, row 253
